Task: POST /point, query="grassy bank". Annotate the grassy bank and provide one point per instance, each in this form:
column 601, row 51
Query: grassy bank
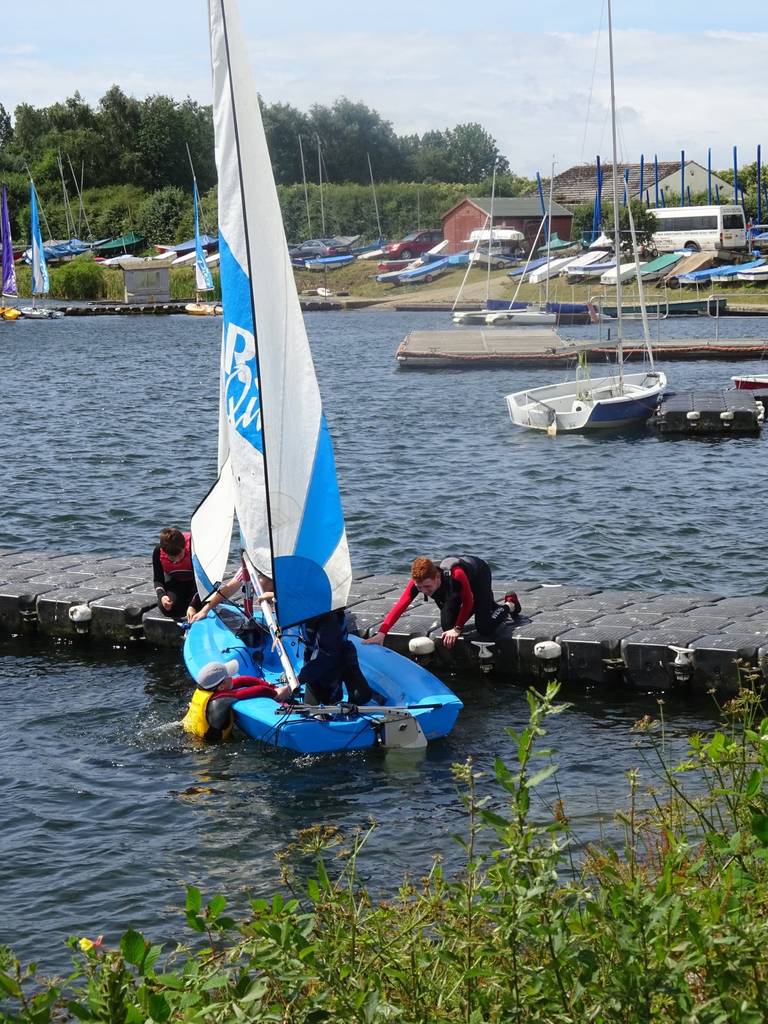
column 83, row 280
column 670, row 929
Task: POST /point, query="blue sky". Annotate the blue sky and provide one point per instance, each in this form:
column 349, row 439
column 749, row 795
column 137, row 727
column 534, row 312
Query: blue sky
column 688, row 74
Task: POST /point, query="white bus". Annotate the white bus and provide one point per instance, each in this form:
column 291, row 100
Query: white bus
column 699, row 228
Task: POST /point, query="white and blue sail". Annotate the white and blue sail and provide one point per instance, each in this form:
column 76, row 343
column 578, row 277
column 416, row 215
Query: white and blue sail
column 276, row 463
column 40, row 284
column 203, row 279
column 9, row 271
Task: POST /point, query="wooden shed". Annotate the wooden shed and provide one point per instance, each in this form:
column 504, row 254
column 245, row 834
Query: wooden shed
column 146, row 280
column 520, row 212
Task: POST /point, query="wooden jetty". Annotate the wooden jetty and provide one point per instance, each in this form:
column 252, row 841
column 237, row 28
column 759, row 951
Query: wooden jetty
column 579, row 634
column 308, row 304
column 542, row 346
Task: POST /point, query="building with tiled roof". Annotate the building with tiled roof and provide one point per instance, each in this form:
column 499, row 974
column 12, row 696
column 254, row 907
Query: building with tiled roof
column 577, row 184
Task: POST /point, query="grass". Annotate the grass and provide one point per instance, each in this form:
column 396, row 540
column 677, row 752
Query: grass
column 83, row 280
column 359, row 280
column 670, row 928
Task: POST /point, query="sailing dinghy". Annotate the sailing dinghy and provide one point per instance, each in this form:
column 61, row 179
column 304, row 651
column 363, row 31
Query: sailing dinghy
column 203, row 278
column 9, row 289
column 40, row 281
column 601, row 403
column 276, row 466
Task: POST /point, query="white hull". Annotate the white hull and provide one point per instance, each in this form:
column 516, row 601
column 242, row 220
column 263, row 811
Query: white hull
column 202, row 308
column 470, row 316
column 40, row 313
column 597, row 403
column 521, row 316
column 554, row 268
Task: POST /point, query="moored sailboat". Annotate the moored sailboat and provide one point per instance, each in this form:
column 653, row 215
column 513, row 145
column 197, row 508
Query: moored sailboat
column 276, row 466
column 40, row 280
column 203, row 278
column 587, row 403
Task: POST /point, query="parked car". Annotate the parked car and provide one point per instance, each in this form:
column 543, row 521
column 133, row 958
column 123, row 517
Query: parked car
column 313, row 248
column 414, row 244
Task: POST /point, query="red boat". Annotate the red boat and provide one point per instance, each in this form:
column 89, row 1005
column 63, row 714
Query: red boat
column 756, row 382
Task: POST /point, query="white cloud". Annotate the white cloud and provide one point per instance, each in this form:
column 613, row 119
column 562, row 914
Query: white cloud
column 533, row 93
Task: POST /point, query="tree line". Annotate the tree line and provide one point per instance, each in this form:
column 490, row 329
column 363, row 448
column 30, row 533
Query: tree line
column 127, row 159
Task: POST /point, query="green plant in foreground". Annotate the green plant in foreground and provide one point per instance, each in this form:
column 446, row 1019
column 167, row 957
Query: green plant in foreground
column 671, row 928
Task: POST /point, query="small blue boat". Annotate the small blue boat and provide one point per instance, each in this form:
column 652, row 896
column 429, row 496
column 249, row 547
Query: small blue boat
column 277, row 473
column 403, row 683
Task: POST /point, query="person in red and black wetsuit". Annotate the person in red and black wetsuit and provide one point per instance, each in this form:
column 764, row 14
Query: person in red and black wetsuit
column 461, row 587
column 173, row 576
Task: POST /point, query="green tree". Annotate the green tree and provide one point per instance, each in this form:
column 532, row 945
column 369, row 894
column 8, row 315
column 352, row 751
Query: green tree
column 645, row 225
column 6, row 128
column 474, row 153
column 30, row 128
column 466, row 153
column 283, row 125
column 119, row 120
column 160, row 216
column 351, row 132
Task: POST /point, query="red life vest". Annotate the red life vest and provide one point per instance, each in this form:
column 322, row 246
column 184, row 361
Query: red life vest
column 184, row 564
column 244, row 687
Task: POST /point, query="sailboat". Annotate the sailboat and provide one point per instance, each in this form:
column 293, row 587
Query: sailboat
column 531, row 315
column 40, row 282
column 9, row 272
column 203, row 279
column 276, row 467
column 596, row 403
column 488, row 242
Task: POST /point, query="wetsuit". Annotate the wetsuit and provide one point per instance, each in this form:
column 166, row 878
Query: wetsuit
column 175, row 580
column 210, row 716
column 465, row 590
column 330, row 659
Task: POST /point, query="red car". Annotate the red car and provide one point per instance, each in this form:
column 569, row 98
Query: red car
column 414, row 244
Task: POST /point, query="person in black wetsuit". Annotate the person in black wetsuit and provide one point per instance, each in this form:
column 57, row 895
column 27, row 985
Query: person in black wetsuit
column 330, row 659
column 461, row 587
column 172, row 574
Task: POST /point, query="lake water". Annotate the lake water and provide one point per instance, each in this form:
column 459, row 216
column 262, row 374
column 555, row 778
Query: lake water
column 109, row 434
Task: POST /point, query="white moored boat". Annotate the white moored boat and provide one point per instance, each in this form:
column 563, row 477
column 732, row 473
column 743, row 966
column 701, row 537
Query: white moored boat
column 596, row 403
column 521, row 316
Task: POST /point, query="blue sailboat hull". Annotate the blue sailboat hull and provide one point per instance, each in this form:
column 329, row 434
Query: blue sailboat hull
column 401, row 681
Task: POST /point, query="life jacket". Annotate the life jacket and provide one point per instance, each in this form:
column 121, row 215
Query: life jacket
column 181, row 569
column 195, row 722
column 468, row 563
column 245, row 687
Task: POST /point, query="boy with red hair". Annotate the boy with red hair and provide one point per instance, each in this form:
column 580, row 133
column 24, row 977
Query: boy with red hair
column 460, row 585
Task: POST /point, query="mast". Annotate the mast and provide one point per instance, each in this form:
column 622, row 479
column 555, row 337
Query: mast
column 490, row 239
column 375, row 202
column 306, row 192
column 69, row 218
column 203, row 279
column 320, row 180
column 549, row 231
column 616, row 222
